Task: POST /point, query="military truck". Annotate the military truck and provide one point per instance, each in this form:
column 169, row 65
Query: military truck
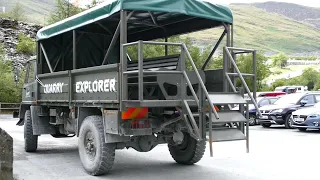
column 84, row 83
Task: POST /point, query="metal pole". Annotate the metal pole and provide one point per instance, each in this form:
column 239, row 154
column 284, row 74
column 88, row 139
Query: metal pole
column 214, row 50
column 46, row 57
column 123, row 59
column 210, row 133
column 74, row 49
column 112, row 43
column 166, row 47
column 247, row 127
column 140, row 66
column 182, row 68
column 255, row 74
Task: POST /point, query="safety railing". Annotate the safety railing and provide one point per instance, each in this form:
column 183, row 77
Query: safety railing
column 183, row 81
column 9, row 106
column 240, row 75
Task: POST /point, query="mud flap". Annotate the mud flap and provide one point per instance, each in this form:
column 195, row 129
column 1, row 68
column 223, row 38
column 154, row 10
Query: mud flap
column 20, row 122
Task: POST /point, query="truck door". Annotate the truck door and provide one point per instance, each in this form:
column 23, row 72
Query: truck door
column 28, row 92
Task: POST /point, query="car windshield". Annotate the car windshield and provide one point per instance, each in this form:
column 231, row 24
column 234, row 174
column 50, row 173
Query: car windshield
column 289, row 99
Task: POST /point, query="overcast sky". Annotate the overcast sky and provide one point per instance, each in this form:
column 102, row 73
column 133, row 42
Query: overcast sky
column 312, row 3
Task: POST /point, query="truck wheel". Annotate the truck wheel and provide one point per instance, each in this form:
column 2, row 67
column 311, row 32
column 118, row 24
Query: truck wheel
column 288, row 122
column 190, row 151
column 30, row 140
column 97, row 157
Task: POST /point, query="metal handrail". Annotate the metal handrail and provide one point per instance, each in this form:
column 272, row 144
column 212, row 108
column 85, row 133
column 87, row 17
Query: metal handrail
column 200, row 81
column 242, row 79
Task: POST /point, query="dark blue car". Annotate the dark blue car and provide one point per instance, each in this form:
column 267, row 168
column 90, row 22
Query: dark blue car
column 262, row 101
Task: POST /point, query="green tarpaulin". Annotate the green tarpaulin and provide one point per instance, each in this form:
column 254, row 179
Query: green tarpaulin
column 195, row 8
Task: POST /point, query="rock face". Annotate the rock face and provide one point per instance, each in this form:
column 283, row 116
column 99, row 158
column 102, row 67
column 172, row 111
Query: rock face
column 6, row 156
column 9, row 33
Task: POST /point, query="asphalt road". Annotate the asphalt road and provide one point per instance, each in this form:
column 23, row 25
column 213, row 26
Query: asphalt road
column 275, row 153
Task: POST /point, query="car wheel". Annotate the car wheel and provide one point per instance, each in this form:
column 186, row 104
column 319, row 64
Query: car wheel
column 289, row 122
column 252, row 120
column 266, row 125
column 302, row 129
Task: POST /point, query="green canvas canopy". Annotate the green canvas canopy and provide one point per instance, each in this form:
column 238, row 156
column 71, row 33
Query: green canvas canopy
column 176, row 16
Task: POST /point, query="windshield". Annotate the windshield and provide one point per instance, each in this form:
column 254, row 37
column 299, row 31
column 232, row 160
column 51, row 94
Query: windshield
column 289, row 99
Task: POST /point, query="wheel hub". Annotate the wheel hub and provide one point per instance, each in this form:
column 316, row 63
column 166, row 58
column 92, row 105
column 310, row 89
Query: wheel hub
column 90, row 145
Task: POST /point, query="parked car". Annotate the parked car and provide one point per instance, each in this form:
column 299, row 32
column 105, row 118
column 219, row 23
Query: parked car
column 280, row 112
column 291, row 89
column 307, row 118
column 261, row 101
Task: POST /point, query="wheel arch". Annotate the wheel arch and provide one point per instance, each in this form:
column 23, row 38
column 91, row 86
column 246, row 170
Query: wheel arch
column 84, row 112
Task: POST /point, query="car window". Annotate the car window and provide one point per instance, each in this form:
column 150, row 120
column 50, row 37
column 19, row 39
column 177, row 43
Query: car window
column 264, row 102
column 309, row 99
column 273, row 100
column 317, row 98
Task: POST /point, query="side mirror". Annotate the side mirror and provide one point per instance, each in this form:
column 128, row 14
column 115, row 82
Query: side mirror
column 303, row 102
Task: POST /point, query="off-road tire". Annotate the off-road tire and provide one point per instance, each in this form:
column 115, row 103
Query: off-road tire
column 265, row 125
column 287, row 122
column 302, row 129
column 189, row 152
column 30, row 140
column 102, row 161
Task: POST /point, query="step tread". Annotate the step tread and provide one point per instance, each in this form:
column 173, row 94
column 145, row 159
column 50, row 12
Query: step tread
column 227, row 116
column 226, row 98
column 230, row 134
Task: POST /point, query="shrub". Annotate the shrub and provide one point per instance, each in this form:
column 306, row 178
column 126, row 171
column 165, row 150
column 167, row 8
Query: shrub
column 26, row 45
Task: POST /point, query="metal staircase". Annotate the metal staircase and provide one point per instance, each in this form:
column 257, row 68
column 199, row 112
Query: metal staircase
column 198, row 108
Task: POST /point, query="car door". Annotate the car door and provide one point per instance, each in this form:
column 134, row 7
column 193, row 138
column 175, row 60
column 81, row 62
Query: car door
column 28, row 95
column 309, row 99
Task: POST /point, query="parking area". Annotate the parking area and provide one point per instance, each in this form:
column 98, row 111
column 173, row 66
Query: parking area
column 275, row 153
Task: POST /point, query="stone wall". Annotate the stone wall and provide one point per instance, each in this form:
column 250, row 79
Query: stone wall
column 6, row 156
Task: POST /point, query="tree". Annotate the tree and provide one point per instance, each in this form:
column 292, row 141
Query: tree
column 9, row 92
column 63, row 10
column 245, row 65
column 279, row 60
column 17, row 12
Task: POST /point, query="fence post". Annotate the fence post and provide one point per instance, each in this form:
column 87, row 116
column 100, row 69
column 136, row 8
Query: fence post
column 0, row 107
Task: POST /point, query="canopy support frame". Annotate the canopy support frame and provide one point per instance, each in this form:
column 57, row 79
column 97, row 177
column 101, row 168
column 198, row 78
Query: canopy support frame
column 46, row 57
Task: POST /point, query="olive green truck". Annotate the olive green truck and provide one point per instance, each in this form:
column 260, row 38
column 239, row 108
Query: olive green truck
column 85, row 82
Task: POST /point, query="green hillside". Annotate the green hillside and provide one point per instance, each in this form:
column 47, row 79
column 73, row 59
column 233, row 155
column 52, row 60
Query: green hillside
column 36, row 10
column 270, row 32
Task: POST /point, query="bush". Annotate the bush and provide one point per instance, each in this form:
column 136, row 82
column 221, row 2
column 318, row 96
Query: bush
column 9, row 91
column 26, row 45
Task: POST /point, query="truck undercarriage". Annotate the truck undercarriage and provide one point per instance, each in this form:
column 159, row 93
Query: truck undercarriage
column 114, row 104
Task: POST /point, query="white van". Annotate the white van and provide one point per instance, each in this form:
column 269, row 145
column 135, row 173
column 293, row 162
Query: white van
column 291, row 89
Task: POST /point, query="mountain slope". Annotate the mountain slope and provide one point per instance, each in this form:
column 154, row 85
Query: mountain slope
column 294, row 11
column 35, row 10
column 270, row 32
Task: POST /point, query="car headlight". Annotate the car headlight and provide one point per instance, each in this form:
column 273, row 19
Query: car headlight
column 277, row 111
column 315, row 115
